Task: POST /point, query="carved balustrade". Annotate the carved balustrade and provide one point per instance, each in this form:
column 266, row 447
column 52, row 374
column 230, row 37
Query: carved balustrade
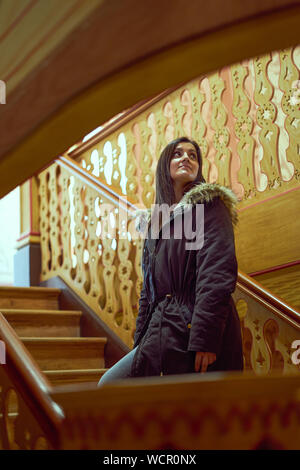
column 245, row 118
column 29, row 419
column 269, row 327
column 188, row 411
column 19, row 428
column 88, row 240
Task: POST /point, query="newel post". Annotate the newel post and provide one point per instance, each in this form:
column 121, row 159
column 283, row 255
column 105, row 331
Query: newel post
column 27, row 260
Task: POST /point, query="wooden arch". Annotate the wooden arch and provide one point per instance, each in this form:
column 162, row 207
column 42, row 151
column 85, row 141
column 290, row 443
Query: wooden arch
column 124, row 52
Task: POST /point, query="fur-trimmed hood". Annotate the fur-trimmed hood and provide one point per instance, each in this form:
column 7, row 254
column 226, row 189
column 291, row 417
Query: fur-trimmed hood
column 206, row 192
column 198, row 194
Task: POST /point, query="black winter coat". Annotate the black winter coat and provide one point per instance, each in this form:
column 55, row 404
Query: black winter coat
column 185, row 304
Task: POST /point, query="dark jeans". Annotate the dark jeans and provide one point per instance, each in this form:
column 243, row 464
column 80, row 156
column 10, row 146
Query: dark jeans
column 121, row 370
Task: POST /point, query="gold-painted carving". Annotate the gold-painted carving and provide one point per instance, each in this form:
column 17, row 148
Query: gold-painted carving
column 65, row 221
column 54, row 219
column 266, row 114
column 289, row 82
column 221, row 134
column 44, row 221
column 243, row 129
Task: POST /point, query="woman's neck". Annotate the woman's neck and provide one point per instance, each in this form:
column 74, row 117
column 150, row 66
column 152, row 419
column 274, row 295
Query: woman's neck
column 178, row 190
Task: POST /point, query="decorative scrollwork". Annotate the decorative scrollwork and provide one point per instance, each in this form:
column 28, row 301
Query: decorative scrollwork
column 266, row 341
column 44, row 221
column 245, row 118
column 221, row 134
column 290, row 85
column 266, row 114
column 19, row 428
column 243, row 129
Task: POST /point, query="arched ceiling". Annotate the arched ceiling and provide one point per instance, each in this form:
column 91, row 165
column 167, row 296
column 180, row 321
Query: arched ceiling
column 70, row 66
column 31, row 29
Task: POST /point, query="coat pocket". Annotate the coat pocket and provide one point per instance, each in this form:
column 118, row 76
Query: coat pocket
column 186, row 314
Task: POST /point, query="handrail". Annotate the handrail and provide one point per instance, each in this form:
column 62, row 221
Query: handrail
column 215, row 411
column 278, row 306
column 112, row 125
column 30, row 383
column 113, row 194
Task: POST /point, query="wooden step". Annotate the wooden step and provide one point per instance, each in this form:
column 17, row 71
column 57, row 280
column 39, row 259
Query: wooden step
column 62, row 377
column 66, row 353
column 44, row 323
column 33, row 298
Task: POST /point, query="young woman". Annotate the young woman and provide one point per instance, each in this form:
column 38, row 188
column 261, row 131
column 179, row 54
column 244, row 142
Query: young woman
column 187, row 320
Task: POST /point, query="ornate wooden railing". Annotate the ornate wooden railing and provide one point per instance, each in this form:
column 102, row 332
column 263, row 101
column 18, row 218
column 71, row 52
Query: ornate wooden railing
column 29, row 418
column 244, row 117
column 269, row 328
column 87, row 239
column 192, row 411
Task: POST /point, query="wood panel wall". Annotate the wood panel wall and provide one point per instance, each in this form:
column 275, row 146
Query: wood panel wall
column 268, row 232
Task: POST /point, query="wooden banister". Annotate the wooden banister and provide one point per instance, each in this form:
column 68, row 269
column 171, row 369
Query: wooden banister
column 275, row 304
column 113, row 125
column 228, row 410
column 25, row 375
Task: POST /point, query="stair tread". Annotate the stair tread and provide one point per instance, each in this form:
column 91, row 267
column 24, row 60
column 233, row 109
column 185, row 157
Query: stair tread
column 74, row 376
column 27, row 290
column 63, row 339
column 44, row 323
column 28, row 311
column 34, row 298
column 44, row 329
column 67, row 353
column 74, row 371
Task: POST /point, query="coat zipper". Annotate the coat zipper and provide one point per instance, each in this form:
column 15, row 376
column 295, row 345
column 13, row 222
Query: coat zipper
column 155, row 293
column 154, row 286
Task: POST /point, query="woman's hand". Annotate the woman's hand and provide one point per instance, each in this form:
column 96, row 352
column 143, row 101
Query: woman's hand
column 203, row 359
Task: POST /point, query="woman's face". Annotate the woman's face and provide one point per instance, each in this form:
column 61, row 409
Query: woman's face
column 184, row 164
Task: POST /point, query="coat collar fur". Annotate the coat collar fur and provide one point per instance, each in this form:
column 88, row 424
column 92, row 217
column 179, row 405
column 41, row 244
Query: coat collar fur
column 206, row 192
column 199, row 194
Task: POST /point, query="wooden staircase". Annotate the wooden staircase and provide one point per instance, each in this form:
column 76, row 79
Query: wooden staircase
column 52, row 336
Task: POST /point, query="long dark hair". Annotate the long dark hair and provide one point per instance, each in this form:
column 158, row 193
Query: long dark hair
column 164, row 186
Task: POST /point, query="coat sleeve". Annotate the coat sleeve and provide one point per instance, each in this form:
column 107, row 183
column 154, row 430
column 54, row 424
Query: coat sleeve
column 216, row 275
column 143, row 304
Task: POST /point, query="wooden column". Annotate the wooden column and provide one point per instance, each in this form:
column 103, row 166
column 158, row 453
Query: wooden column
column 27, row 261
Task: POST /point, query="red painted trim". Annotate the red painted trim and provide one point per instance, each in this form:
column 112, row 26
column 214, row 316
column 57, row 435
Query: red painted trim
column 17, row 20
column 28, row 234
column 45, row 39
column 268, row 199
column 275, row 268
column 30, row 204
